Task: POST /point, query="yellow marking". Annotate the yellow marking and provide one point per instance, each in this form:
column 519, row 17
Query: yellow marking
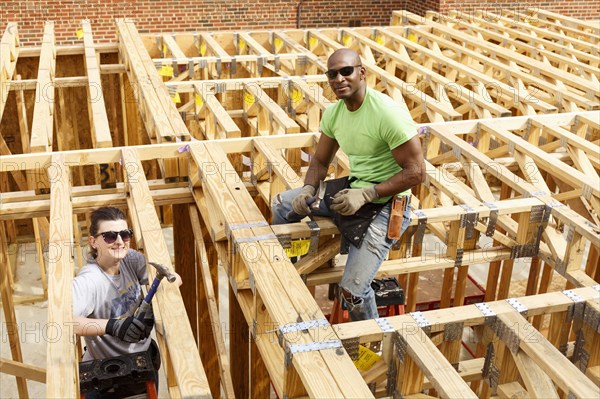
column 366, row 358
column 298, row 248
column 79, row 33
column 249, row 98
column 278, row 43
column 202, row 48
column 296, row 96
column 166, row 70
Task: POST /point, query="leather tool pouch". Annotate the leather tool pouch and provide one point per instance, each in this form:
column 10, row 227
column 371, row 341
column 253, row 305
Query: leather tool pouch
column 396, row 216
column 353, row 228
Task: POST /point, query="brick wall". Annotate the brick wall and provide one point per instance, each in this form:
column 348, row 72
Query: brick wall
column 191, row 15
column 187, row 15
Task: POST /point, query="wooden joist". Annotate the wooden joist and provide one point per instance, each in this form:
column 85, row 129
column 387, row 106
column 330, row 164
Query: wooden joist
column 62, row 378
column 187, row 367
column 256, row 99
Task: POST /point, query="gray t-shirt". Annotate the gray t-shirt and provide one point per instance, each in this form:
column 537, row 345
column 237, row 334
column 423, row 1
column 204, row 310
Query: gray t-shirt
column 97, row 295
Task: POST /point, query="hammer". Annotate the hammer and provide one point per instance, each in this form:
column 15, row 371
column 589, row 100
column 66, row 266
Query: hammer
column 161, row 272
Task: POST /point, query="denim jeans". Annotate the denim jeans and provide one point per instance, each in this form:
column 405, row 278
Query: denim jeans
column 362, row 263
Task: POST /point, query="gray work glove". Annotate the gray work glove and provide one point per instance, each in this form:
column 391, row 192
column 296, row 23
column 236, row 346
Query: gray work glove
column 348, row 201
column 299, row 204
column 129, row 329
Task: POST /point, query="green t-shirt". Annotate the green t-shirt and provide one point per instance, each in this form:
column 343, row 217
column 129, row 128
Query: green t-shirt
column 368, row 135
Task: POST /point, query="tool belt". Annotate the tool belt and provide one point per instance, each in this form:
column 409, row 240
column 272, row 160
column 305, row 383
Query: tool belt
column 399, row 204
column 353, row 228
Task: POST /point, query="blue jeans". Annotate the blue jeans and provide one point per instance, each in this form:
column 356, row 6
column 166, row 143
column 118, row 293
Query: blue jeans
column 362, row 263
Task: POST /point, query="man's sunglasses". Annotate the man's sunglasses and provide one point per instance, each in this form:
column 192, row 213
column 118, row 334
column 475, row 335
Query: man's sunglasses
column 111, row 236
column 344, row 71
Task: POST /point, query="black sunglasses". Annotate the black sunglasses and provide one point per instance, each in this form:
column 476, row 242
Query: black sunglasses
column 111, row 236
column 344, row 71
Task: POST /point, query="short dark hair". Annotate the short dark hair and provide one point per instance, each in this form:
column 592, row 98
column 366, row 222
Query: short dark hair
column 100, row 215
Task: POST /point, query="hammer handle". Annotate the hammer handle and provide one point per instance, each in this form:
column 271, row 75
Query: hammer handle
column 139, row 313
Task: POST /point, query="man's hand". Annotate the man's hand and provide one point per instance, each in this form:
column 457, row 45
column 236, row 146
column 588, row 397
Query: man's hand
column 348, row 201
column 129, row 329
column 299, row 204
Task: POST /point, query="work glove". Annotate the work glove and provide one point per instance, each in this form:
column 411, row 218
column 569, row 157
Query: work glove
column 348, row 201
column 148, row 319
column 299, row 204
column 129, row 329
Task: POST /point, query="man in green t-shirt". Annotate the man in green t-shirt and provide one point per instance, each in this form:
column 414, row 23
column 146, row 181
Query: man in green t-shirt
column 380, row 139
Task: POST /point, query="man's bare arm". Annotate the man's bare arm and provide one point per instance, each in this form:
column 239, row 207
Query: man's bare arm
column 410, row 157
column 317, row 170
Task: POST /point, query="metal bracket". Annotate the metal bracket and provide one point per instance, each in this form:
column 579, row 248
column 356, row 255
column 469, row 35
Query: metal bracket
column 453, row 331
column 303, row 326
column 290, row 350
column 591, row 317
column 233, row 67
column 586, row 192
column 518, row 306
column 508, row 336
column 418, row 239
column 219, row 67
column 493, row 218
column 315, row 232
column 260, row 62
column 351, row 346
column 277, row 63
column 400, row 346
column 391, row 379
column 456, row 152
column 285, row 240
column 579, row 353
column 422, row 322
column 537, row 213
column 384, row 324
column 191, row 69
column 488, row 314
column 252, row 283
column 256, row 238
column 490, row 372
column 236, row 226
column 468, row 220
column 459, row 257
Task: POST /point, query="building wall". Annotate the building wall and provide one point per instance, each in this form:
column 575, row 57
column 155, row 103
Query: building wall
column 190, row 15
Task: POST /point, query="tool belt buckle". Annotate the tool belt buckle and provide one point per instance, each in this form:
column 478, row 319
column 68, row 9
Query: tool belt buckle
column 396, row 214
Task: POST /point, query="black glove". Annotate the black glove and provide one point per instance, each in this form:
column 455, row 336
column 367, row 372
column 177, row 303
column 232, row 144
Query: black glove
column 148, row 319
column 129, row 329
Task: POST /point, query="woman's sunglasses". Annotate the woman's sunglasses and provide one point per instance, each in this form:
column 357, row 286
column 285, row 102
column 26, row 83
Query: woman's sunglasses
column 344, row 71
column 111, row 236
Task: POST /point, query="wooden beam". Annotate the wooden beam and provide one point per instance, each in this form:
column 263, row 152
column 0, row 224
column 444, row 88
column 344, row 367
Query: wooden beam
column 440, row 373
column 26, row 371
column 188, row 370
column 99, row 126
column 9, row 54
column 41, row 129
column 62, row 378
column 564, row 373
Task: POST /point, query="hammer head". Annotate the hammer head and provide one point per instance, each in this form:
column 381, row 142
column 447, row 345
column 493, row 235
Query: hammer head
column 163, row 271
